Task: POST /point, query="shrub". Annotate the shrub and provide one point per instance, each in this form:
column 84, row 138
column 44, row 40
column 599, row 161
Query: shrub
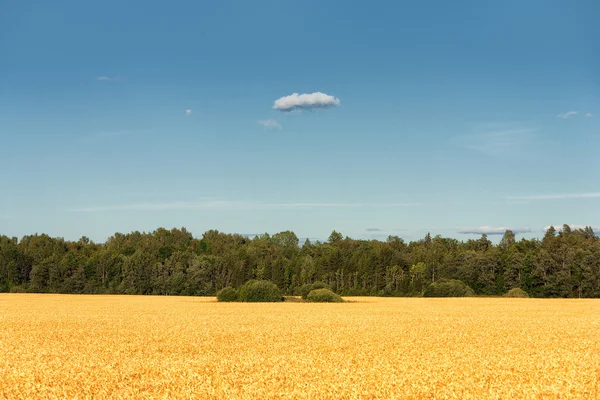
column 448, row 288
column 516, row 292
column 323, row 296
column 227, row 294
column 309, row 287
column 259, row 291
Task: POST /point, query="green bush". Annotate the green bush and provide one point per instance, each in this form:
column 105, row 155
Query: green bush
column 309, row 287
column 516, row 292
column 323, row 296
column 227, row 294
column 448, row 288
column 259, row 291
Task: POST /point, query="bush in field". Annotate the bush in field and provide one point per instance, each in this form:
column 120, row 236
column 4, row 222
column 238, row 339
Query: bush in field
column 259, row 291
column 323, row 296
column 448, row 288
column 309, row 287
column 516, row 292
column 227, row 294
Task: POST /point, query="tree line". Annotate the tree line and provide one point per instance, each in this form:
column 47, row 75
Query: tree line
column 565, row 263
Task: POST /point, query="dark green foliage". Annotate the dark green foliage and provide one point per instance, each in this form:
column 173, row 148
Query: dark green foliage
column 309, row 287
column 448, row 288
column 516, row 292
column 323, row 296
column 259, row 291
column 564, row 263
column 227, row 294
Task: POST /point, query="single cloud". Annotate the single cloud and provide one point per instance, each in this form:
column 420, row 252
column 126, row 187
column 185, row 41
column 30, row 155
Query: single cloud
column 373, row 230
column 107, row 78
column 188, row 113
column 558, row 196
column 499, row 141
column 567, row 115
column 305, row 101
column 488, row 230
column 588, row 115
column 269, row 123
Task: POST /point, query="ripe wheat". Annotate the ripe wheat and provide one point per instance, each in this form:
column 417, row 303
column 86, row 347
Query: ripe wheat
column 69, row 346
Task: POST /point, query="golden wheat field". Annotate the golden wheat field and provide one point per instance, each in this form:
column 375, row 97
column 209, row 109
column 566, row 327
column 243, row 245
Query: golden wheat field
column 71, row 346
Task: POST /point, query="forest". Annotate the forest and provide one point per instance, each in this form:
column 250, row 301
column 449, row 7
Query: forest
column 565, row 263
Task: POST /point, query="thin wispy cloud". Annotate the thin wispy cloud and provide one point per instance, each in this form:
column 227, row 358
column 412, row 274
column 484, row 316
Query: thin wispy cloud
column 105, row 78
column 373, row 230
column 567, row 114
column 558, row 196
column 498, row 140
column 233, row 205
column 488, row 230
column 269, row 123
column 588, row 115
column 305, row 101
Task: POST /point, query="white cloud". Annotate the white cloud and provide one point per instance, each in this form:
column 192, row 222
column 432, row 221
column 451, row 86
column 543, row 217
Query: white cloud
column 269, row 123
column 567, row 115
column 305, row 101
column 588, row 115
column 488, row 230
column 498, row 141
column 188, row 113
column 233, row 205
column 108, row 78
column 559, row 196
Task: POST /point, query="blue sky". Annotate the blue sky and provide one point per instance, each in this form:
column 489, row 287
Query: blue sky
column 448, row 117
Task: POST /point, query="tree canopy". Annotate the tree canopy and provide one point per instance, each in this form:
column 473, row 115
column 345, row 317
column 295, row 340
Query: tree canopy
column 564, row 263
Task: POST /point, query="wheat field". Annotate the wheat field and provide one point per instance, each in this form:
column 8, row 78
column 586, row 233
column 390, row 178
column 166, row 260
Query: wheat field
column 71, row 346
